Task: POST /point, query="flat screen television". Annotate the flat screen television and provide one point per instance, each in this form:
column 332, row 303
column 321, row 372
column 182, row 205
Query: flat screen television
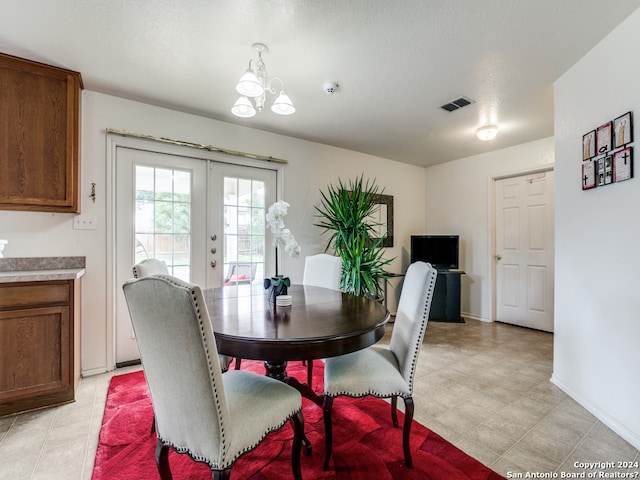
column 441, row 251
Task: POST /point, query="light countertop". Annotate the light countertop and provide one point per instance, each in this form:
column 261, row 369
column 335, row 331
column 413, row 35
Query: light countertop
column 41, row 269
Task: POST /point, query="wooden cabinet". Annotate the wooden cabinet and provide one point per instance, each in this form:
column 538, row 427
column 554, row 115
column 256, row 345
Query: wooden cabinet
column 39, row 344
column 40, row 136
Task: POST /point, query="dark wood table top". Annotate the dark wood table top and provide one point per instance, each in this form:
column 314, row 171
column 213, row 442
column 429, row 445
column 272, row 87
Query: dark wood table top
column 320, row 323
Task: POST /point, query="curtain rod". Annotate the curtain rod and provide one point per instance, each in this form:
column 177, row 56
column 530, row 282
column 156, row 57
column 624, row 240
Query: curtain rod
column 208, row 148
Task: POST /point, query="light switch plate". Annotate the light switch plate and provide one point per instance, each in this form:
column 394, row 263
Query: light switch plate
column 85, row 222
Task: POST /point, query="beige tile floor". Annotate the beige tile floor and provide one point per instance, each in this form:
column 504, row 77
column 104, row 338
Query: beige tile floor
column 484, row 387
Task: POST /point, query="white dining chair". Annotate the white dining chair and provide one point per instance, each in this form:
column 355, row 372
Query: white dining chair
column 321, row 270
column 153, row 266
column 385, row 371
column 212, row 417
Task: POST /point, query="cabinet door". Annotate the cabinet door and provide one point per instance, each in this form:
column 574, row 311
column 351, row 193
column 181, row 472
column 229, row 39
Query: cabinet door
column 36, row 360
column 39, row 141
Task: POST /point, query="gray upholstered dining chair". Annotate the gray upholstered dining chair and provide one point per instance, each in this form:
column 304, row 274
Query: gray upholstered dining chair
column 211, row 416
column 153, row 266
column 381, row 371
column 321, row 270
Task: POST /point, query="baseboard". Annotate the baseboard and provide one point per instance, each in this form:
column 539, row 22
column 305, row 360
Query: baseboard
column 93, row 371
column 475, row 317
column 631, row 437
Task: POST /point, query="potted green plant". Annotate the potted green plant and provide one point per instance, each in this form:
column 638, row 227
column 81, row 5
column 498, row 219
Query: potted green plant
column 345, row 211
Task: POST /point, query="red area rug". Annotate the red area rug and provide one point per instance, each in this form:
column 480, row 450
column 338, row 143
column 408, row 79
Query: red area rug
column 366, row 446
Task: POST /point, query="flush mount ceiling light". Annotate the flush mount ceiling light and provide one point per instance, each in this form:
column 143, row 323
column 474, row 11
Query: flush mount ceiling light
column 486, row 133
column 253, row 87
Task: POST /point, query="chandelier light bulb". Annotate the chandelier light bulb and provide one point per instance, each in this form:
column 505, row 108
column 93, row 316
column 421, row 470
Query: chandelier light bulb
column 243, row 108
column 249, row 85
column 283, row 105
column 486, row 133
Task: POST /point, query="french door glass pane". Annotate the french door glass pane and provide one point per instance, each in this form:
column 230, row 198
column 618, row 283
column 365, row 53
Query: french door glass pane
column 163, row 218
column 244, row 231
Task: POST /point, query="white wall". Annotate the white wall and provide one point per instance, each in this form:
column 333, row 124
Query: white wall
column 596, row 353
column 458, row 203
column 311, row 166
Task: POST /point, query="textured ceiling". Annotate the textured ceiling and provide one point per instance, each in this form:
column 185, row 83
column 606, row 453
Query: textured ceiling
column 396, row 62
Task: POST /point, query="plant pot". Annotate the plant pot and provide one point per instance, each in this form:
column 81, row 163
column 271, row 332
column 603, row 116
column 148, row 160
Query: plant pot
column 273, row 292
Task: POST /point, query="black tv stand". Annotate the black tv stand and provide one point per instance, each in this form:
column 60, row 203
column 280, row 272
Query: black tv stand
column 445, row 305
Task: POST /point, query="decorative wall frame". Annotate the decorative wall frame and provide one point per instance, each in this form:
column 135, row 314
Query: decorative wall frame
column 589, row 145
column 384, row 219
column 599, row 171
column 607, row 153
column 603, row 138
column 623, row 164
column 588, row 175
column 623, row 130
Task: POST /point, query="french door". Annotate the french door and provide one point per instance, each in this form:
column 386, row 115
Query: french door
column 204, row 218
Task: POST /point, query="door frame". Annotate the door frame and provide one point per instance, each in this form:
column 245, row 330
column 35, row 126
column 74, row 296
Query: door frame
column 491, row 253
column 115, row 141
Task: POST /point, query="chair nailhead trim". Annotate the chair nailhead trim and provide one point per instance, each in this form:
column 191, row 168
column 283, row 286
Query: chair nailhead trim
column 226, row 463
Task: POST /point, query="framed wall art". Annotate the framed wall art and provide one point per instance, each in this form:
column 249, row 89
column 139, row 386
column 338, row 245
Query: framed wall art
column 608, row 169
column 588, row 175
column 623, row 164
column 623, row 130
column 589, row 145
column 599, row 171
column 603, row 138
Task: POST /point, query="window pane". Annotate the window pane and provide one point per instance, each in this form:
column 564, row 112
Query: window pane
column 230, row 220
column 163, row 218
column 164, row 184
column 181, row 186
column 230, row 191
column 244, row 191
column 258, row 194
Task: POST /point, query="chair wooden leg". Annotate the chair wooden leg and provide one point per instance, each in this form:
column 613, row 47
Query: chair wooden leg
column 297, row 422
column 221, row 474
column 406, row 434
column 309, row 372
column 328, row 440
column 238, row 361
column 162, row 460
column 394, row 411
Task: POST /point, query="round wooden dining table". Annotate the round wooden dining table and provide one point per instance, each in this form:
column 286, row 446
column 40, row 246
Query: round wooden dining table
column 320, row 323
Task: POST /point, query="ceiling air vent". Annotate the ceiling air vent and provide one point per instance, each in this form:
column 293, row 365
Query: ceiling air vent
column 456, row 104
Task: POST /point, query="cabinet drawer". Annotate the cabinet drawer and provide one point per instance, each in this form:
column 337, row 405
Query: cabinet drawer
column 34, row 294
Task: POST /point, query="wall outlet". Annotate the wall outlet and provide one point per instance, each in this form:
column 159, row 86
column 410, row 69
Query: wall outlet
column 85, row 222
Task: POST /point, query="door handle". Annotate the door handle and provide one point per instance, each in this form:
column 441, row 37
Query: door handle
column 498, row 257
column 213, row 264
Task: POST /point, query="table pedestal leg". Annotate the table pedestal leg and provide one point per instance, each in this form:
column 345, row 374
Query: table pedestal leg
column 278, row 370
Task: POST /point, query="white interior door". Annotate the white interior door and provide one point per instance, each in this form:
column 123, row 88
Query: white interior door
column 524, row 250
column 204, row 219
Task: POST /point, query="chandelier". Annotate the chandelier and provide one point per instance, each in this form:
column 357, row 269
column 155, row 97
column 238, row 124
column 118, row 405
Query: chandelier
column 253, row 87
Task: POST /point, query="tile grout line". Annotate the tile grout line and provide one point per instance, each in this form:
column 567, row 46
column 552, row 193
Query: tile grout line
column 517, row 442
column 44, row 442
column 13, row 422
column 88, row 437
column 584, row 437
